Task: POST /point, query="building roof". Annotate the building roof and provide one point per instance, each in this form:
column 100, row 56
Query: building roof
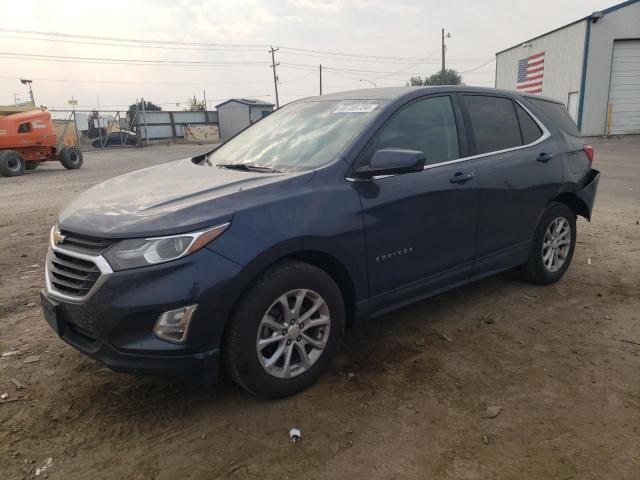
column 247, row 101
column 604, row 12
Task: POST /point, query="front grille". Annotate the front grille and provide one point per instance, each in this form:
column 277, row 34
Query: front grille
column 71, row 275
column 85, row 244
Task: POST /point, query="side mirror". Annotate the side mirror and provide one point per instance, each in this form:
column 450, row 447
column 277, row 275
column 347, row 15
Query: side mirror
column 392, row 161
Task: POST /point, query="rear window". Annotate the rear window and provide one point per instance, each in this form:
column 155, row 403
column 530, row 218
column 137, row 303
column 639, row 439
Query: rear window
column 559, row 115
column 494, row 123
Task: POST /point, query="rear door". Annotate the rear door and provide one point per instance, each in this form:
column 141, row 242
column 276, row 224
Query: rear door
column 519, row 170
column 420, row 227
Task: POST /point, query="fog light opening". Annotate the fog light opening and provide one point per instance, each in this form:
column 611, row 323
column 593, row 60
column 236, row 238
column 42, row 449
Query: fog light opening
column 173, row 325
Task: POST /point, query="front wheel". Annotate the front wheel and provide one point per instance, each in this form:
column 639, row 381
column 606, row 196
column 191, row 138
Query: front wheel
column 70, row 157
column 11, row 163
column 553, row 244
column 285, row 330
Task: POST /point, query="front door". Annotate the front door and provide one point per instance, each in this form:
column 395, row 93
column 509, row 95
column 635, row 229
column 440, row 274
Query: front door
column 420, row 227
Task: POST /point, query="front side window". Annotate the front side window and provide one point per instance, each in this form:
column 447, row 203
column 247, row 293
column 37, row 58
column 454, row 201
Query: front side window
column 427, row 125
column 24, row 128
column 494, row 123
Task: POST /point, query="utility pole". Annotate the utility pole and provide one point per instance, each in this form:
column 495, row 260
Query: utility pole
column 444, row 49
column 275, row 75
column 320, row 79
column 144, row 118
column 204, row 94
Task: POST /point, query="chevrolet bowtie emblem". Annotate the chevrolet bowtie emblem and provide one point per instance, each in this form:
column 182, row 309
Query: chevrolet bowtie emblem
column 58, row 238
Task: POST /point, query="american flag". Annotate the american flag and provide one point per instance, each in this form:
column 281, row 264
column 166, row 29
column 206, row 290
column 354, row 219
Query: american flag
column 531, row 73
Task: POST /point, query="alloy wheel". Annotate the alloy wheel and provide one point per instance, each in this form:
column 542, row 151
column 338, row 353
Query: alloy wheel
column 293, row 333
column 556, row 244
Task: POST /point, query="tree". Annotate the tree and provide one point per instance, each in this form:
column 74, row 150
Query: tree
column 195, row 105
column 448, row 77
column 148, row 106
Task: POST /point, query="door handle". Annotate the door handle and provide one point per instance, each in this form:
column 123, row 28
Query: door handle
column 461, row 177
column 545, row 157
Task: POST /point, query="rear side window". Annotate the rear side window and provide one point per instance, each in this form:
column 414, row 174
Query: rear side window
column 427, row 125
column 559, row 115
column 529, row 128
column 494, row 123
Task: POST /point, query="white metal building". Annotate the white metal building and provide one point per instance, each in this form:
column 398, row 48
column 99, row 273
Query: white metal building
column 238, row 113
column 592, row 65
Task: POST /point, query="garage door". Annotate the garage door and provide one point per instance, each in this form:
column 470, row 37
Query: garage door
column 624, row 89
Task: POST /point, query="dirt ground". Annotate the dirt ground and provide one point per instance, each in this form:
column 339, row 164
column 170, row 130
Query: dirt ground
column 406, row 398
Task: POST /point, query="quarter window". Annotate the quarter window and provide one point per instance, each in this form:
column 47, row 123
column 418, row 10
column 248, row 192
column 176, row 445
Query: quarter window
column 428, row 126
column 494, row 123
column 529, row 128
column 559, row 115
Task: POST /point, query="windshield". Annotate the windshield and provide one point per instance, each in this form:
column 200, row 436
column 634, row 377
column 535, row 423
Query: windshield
column 299, row 136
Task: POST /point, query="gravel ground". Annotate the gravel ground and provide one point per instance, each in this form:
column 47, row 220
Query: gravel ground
column 410, row 396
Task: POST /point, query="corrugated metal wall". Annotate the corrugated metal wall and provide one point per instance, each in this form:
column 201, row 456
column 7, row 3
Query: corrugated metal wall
column 160, row 124
column 564, row 51
column 233, row 117
column 623, row 23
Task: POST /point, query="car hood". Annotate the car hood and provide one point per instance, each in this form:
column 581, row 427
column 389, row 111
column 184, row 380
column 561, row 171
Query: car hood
column 174, row 197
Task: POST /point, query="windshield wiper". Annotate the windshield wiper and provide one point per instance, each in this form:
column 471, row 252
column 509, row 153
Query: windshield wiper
column 247, row 167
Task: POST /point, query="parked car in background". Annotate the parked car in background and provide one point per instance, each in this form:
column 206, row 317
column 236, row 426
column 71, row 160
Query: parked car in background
column 255, row 257
column 121, row 138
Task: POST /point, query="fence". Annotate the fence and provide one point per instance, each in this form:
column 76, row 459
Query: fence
column 161, row 124
column 92, row 129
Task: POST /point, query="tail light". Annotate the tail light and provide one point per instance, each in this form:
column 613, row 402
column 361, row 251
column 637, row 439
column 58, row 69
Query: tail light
column 588, row 150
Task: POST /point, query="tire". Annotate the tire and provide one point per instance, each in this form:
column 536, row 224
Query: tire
column 246, row 364
column 32, row 165
column 70, row 157
column 11, row 163
column 551, row 251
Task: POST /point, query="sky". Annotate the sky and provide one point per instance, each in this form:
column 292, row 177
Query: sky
column 108, row 54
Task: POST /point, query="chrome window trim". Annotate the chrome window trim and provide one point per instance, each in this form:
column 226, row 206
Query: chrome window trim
column 545, row 135
column 98, row 260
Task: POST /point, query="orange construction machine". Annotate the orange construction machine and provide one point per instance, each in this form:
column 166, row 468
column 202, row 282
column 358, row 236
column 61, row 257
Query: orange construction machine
column 28, row 138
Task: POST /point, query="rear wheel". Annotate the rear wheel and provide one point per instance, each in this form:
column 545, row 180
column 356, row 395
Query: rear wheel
column 553, row 245
column 11, row 163
column 285, row 330
column 70, row 157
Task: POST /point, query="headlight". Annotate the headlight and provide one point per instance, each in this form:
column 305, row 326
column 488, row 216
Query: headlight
column 139, row 252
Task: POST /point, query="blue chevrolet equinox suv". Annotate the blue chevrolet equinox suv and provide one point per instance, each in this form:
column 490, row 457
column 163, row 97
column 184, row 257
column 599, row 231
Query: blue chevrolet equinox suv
column 254, row 258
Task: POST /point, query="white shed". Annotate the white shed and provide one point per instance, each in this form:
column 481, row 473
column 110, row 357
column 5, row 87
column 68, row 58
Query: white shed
column 236, row 114
column 592, row 65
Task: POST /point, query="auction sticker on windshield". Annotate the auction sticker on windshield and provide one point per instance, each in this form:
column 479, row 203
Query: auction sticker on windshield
column 356, row 108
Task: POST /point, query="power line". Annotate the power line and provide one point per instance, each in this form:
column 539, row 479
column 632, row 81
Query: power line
column 120, row 61
column 479, row 67
column 133, row 45
column 243, row 49
column 119, row 82
column 124, row 61
column 291, row 50
column 130, row 40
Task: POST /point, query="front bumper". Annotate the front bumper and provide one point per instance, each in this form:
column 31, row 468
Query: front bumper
column 115, row 323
